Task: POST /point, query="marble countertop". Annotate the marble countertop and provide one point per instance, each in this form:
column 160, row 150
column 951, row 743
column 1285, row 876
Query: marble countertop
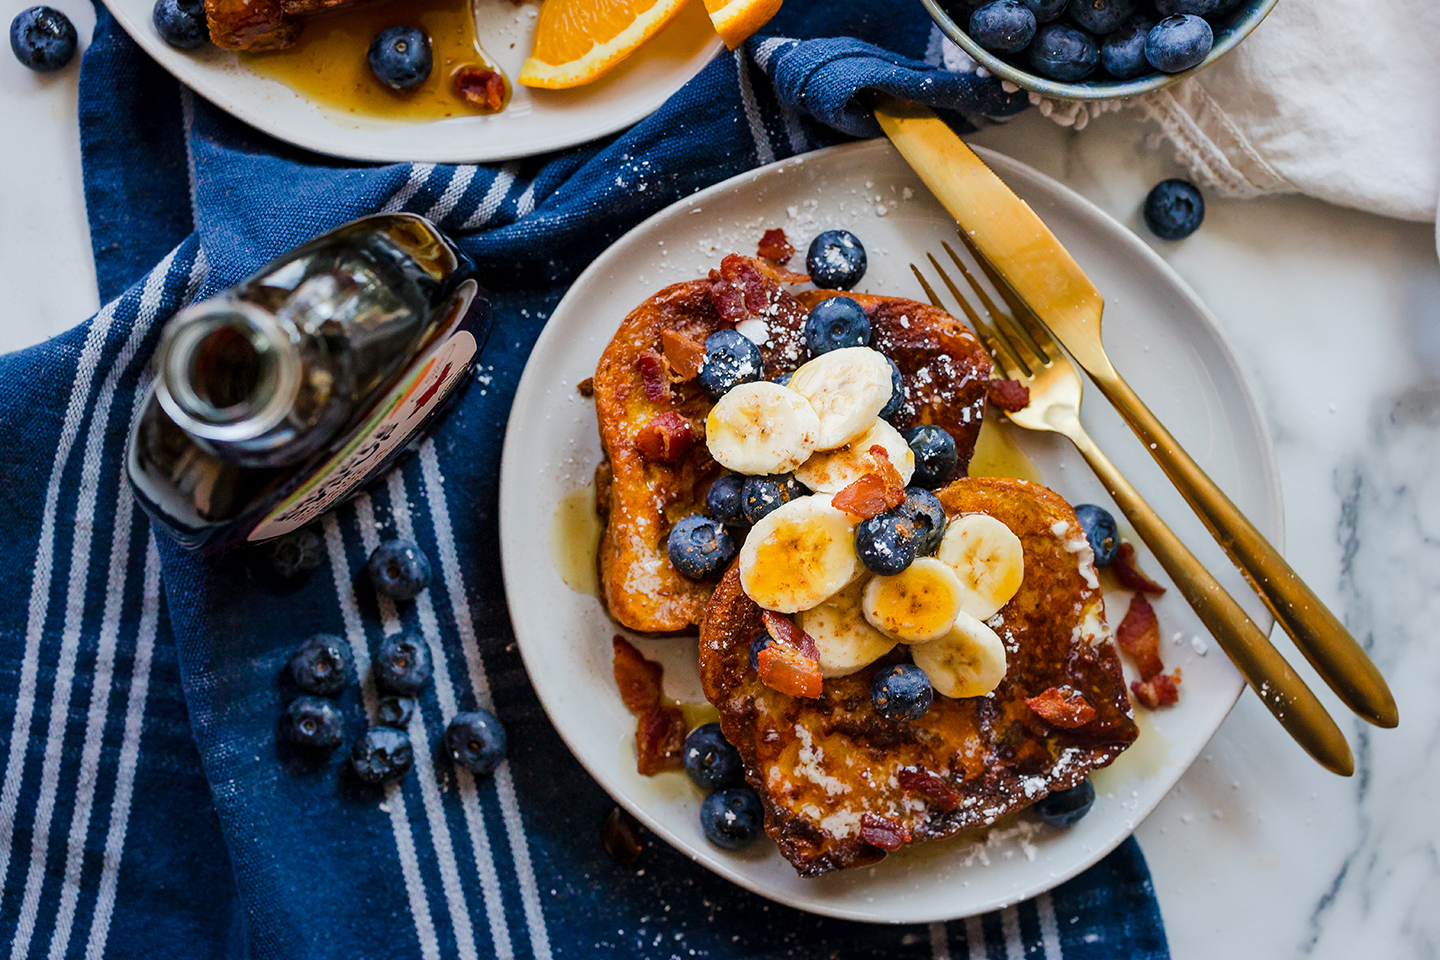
column 1336, row 317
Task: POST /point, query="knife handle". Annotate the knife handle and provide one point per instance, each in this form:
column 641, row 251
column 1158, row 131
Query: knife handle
column 1319, row 635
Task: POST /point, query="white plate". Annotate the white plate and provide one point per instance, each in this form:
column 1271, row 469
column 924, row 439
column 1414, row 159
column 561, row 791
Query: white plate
column 534, row 122
column 1159, row 335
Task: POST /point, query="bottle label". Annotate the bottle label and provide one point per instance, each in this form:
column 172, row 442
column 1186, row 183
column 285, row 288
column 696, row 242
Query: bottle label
column 393, row 423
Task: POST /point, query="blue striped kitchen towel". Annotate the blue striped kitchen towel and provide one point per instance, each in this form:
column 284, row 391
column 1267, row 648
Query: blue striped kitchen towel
column 142, row 807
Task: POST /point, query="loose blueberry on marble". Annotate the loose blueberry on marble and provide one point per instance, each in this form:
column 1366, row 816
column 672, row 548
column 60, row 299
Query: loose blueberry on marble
column 295, row 554
column 710, row 759
column 1003, row 26
column 901, row 692
column 1174, row 209
column 398, row 569
column 1100, row 530
column 314, row 724
column 1065, row 808
column 760, row 642
column 723, row 501
column 400, row 57
column 1178, row 43
column 924, row 510
column 1046, row 10
column 1062, row 52
column 382, row 755
column 887, row 543
column 394, row 712
column 1122, row 53
column 402, row 664
column 762, row 495
column 732, row 818
column 476, row 741
column 836, row 260
column 835, row 323
column 730, row 360
column 936, row 456
column 897, row 391
column 43, row 39
column 322, row 665
column 181, row 23
column 700, row 547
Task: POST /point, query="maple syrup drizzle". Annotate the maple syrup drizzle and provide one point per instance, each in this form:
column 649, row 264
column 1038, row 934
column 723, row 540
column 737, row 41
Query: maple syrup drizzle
column 997, row 454
column 575, row 540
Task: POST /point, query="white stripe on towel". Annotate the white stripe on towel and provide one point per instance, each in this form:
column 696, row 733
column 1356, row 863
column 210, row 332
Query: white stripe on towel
column 459, row 183
column 419, row 175
column 1049, row 929
column 764, row 152
column 975, row 938
column 499, row 188
column 1014, row 943
column 939, row 941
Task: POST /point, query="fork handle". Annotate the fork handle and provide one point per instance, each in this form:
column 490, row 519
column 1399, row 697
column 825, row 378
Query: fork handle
column 1320, row 636
column 1274, row 681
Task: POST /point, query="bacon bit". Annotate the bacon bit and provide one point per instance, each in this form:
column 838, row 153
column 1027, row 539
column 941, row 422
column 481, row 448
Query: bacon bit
column 586, row 387
column 655, row 375
column 780, row 274
column 743, row 271
column 775, row 247
column 929, row 785
column 786, row 670
column 483, row 88
column 660, row 740
column 1128, row 575
column 639, row 679
column 1160, row 691
column 1139, row 636
column 684, row 355
column 1008, row 395
column 659, row 727
column 862, row 498
column 666, row 438
column 894, row 483
column 1062, row 706
column 728, row 299
column 883, row 832
column 783, row 630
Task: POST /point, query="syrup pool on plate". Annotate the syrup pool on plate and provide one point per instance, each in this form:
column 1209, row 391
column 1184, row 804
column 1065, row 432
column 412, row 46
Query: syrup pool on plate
column 997, row 454
column 575, row 540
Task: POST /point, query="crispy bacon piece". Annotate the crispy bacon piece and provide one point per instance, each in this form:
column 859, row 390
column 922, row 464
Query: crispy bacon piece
column 1160, row 690
column 783, row 630
column 775, row 247
column 791, row 664
column 660, row 740
column 482, row 87
column 883, row 832
column 1062, row 706
column 780, row 274
column 659, row 727
column 586, row 387
column 1008, row 395
column 746, row 286
column 1128, row 575
column 894, row 483
column 666, row 438
column 685, row 356
column 863, row 498
column 654, row 375
column 639, row 679
column 1139, row 636
column 929, row 785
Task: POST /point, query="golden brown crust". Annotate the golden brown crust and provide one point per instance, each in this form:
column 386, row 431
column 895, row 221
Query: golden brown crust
column 250, row 24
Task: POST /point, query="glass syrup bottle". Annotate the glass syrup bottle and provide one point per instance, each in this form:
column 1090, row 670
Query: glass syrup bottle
column 277, row 399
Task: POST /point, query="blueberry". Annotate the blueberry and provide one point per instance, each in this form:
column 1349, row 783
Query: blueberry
column 1100, row 16
column 1003, row 26
column 924, row 510
column 43, row 38
column 763, row 495
column 887, row 543
column 1065, row 808
column 835, row 323
column 723, row 501
column 1046, row 10
column 901, row 692
column 1201, row 8
column 710, row 759
column 181, row 23
column 476, row 741
column 295, row 554
column 760, row 642
column 1100, row 530
column 784, row 378
column 322, row 665
column 936, row 457
column 1178, row 43
column 1061, row 52
column 1122, row 53
column 730, row 360
column 402, row 664
column 897, row 391
column 314, row 724
column 732, row 818
column 400, row 57
column 700, row 547
column 394, row 712
column 382, row 755
column 398, row 569
column 836, row 260
column 1174, row 209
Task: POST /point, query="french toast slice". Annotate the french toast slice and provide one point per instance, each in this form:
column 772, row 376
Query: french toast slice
column 842, row 785
column 944, row 367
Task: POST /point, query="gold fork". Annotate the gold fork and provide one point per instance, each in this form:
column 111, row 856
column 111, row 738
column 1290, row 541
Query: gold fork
column 1025, row 352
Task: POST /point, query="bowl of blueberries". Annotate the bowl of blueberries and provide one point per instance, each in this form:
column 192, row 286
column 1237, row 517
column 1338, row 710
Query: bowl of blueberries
column 1096, row 49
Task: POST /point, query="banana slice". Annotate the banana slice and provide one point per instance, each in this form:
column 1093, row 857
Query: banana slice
column 969, row 661
column 799, row 555
column 845, row 641
column 916, row 605
column 830, row 471
column 761, row 428
column 848, row 388
column 989, row 560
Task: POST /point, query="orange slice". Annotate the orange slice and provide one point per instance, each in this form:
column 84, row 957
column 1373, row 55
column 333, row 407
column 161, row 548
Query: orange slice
column 577, row 41
column 736, row 20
